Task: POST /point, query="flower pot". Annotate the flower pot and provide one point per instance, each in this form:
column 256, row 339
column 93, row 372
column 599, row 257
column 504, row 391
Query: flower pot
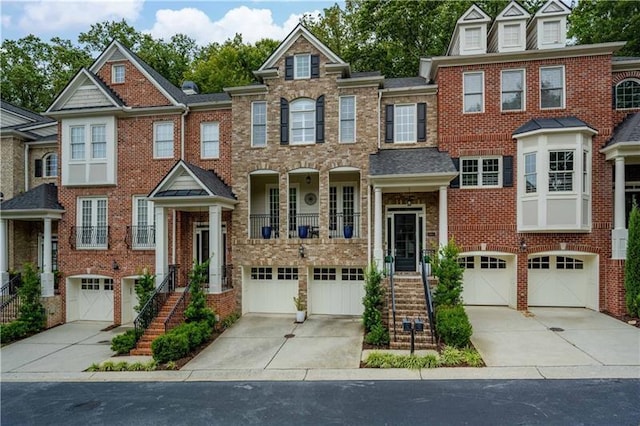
column 300, row 315
column 303, row 231
column 266, row 232
column 348, row 231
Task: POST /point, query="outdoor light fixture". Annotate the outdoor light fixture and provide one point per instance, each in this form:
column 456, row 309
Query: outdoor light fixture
column 115, row 265
column 523, row 244
column 301, row 251
column 308, row 180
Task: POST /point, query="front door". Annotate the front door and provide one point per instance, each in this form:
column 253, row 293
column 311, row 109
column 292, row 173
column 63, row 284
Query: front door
column 202, row 245
column 405, row 246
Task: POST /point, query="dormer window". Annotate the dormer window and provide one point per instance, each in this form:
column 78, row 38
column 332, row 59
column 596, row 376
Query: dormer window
column 551, row 32
column 117, row 74
column 301, row 66
column 512, row 35
column 472, row 38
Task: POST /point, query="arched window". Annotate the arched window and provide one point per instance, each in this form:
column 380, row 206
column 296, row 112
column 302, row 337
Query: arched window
column 303, row 121
column 51, row 165
column 628, row 94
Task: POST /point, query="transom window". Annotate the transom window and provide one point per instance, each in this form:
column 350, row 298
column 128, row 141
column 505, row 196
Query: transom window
column 628, row 94
column 51, row 165
column 259, row 124
column 98, row 141
column 261, row 273
column 480, row 172
column 352, row 274
column 473, row 91
column 552, row 87
column 210, row 140
column 560, row 171
column 108, row 284
column 405, row 123
column 487, row 262
column 530, row 173
column 513, row 90
column 511, row 34
column 466, row 262
column 324, row 274
column 302, row 66
column 117, row 74
column 287, row 273
column 541, row 262
column 90, row 284
column 563, row 262
column 303, row 123
column 347, row 119
column 163, row 140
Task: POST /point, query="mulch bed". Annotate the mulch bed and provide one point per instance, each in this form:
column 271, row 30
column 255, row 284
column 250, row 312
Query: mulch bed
column 634, row 321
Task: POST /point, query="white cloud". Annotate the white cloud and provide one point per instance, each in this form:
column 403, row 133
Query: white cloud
column 62, row 15
column 6, row 21
column 253, row 24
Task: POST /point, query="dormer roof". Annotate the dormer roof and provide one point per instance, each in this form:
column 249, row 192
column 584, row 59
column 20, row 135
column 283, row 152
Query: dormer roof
column 102, row 97
column 474, row 16
column 553, row 8
column 513, row 11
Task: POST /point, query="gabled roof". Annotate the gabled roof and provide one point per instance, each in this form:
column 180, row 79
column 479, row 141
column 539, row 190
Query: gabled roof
column 513, row 10
column 553, row 8
column 43, row 197
column 201, row 183
column 627, row 131
column 29, row 118
column 473, row 15
column 420, row 161
column 83, row 76
column 551, row 124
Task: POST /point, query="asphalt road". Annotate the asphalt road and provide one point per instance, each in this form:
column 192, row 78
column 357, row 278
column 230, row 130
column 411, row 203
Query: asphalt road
column 447, row 402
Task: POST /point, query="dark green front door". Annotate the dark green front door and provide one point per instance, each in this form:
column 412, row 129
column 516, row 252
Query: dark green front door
column 406, row 248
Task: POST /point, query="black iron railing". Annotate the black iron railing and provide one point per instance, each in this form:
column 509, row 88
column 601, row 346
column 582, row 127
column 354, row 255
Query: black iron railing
column 11, row 286
column 344, row 225
column 10, row 306
column 176, row 316
column 264, row 226
column 390, row 270
column 89, row 237
column 227, row 277
column 304, row 225
column 141, row 237
column 151, row 309
column 425, row 259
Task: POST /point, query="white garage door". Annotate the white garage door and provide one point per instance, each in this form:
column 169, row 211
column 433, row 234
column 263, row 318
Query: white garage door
column 95, row 299
column 271, row 290
column 336, row 291
column 562, row 281
column 488, row 280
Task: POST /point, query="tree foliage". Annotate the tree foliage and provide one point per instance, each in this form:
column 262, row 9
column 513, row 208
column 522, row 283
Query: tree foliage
column 198, row 310
column 145, row 286
column 632, row 264
column 31, row 310
column 449, row 273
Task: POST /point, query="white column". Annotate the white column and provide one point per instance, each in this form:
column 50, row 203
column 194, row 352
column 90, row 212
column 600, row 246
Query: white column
column 46, row 277
column 619, row 231
column 443, row 226
column 4, row 252
column 215, row 248
column 162, row 244
column 378, row 252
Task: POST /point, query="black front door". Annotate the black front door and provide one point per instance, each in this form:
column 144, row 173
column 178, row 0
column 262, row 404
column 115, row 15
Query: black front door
column 405, row 241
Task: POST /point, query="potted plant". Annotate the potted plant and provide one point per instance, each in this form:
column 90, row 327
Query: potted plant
column 348, row 231
column 303, row 231
column 266, row 232
column 300, row 313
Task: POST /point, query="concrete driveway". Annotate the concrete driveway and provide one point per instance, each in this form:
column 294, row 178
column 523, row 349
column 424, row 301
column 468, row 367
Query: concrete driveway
column 561, row 337
column 261, row 342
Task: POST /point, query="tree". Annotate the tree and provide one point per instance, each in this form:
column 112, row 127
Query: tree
column 145, row 286
column 171, row 59
column 449, row 273
column 31, row 310
column 198, row 310
column 632, row 264
column 599, row 21
column 100, row 35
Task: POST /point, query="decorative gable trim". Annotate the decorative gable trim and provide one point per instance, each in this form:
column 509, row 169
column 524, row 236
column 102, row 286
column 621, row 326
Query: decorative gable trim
column 553, row 7
column 474, row 15
column 513, row 11
column 180, row 177
column 84, row 80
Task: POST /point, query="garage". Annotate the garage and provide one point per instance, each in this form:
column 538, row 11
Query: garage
column 270, row 289
column 563, row 280
column 489, row 279
column 336, row 291
column 90, row 299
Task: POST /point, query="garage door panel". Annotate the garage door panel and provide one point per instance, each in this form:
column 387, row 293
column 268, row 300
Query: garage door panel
column 93, row 299
column 336, row 291
column 273, row 296
column 562, row 281
column 487, row 280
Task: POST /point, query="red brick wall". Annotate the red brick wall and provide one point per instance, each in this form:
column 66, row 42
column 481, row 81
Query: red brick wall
column 136, row 91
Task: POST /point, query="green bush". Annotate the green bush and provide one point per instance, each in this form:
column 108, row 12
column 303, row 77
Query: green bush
column 198, row 310
column 31, row 310
column 230, row 320
column 196, row 332
column 389, row 360
column 145, row 286
column 123, row 343
column 378, row 336
column 449, row 273
column 632, row 264
column 373, row 300
column 170, row 347
column 13, row 331
column 453, row 326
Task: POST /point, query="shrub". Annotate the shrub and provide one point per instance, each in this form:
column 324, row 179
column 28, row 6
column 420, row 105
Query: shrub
column 31, row 310
column 145, row 286
column 632, row 264
column 13, row 331
column 378, row 336
column 449, row 273
column 230, row 320
column 453, row 326
column 123, row 343
column 170, row 347
column 196, row 332
column 198, row 309
column 389, row 360
column 373, row 300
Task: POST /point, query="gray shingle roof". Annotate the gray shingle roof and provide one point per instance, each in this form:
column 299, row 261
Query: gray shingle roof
column 37, row 118
column 627, row 131
column 42, row 197
column 207, row 97
column 410, row 161
column 550, row 123
column 113, row 95
column 360, row 74
column 394, row 83
column 212, row 181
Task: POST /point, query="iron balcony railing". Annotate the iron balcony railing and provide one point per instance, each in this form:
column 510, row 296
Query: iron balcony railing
column 304, row 225
column 90, row 237
column 158, row 298
column 264, row 226
column 344, row 225
column 141, row 237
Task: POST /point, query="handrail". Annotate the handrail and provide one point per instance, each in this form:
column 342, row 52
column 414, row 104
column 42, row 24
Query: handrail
column 151, row 309
column 391, row 271
column 10, row 306
column 11, row 287
column 427, row 294
column 168, row 323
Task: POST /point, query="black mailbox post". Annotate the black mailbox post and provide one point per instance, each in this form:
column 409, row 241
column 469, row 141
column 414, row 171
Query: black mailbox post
column 412, row 326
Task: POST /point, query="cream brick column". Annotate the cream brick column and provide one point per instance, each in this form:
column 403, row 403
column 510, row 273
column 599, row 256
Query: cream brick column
column 46, row 277
column 443, row 226
column 378, row 253
column 162, row 244
column 619, row 233
column 4, row 252
column 215, row 249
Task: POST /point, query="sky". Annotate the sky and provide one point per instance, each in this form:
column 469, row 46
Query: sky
column 204, row 21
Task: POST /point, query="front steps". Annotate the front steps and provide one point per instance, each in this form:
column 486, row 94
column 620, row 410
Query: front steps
column 156, row 328
column 410, row 303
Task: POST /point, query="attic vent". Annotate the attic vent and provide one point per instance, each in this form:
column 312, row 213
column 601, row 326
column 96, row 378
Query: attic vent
column 190, row 88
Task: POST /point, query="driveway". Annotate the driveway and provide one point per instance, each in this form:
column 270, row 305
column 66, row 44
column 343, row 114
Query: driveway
column 561, row 337
column 70, row 347
column 275, row 342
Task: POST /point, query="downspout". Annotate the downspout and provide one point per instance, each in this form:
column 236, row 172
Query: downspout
column 369, row 252
column 379, row 114
column 26, row 167
column 182, row 117
column 174, row 215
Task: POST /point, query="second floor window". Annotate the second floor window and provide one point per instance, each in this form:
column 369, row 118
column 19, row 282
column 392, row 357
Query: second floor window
column 530, row 173
column 473, row 92
column 405, row 123
column 259, row 124
column 98, row 141
column 303, row 123
column 92, row 223
column 561, row 171
column 77, row 142
column 480, row 172
column 210, row 140
column 301, row 66
column 552, row 87
column 51, row 165
column 143, row 233
column 513, row 90
column 163, row 140
column 347, row 119
column 628, row 94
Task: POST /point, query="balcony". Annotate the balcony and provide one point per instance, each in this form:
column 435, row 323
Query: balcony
column 141, row 237
column 90, row 237
column 264, row 226
column 344, row 225
column 304, row 225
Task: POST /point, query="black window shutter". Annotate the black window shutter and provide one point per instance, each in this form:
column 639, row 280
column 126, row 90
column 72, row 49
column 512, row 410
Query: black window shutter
column 284, row 122
column 315, row 66
column 288, row 68
column 422, row 122
column 507, row 171
column 455, row 183
column 320, row 119
column 38, row 168
column 388, row 124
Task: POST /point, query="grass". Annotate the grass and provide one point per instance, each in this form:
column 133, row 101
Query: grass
column 124, row 366
column 450, row 357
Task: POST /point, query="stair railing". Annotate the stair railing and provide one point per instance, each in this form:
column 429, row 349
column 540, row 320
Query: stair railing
column 424, row 261
column 390, row 271
column 151, row 309
column 10, row 306
column 182, row 302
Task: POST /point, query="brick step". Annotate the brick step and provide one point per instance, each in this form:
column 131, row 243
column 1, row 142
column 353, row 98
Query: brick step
column 140, row 352
column 417, row 346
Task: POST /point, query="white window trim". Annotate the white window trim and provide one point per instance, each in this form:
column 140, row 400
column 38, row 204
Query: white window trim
column 91, row 142
column 355, row 118
column 291, row 112
column 524, row 90
column 266, row 136
column 202, row 154
column 113, row 73
column 464, row 93
column 45, row 168
column 295, row 68
column 84, row 143
column 616, row 93
column 155, row 125
column 479, row 159
column 94, row 216
column 518, row 26
column 575, row 171
column 415, row 124
column 559, row 34
column 536, row 193
column 564, row 87
column 135, row 244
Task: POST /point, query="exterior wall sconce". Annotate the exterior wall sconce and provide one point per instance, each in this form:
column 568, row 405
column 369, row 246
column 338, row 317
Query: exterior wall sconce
column 301, row 251
column 523, row 244
column 115, row 265
column 308, row 180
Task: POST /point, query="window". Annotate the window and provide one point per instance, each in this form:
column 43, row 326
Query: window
column 261, row 273
column 480, row 172
column 538, row 263
column 585, row 172
column 551, row 32
column 51, row 165
column 92, row 224
column 552, row 87
column 143, row 231
column 530, row 173
column 569, row 263
column 301, row 66
column 466, row 262
column 487, row 262
column 108, row 283
column 405, row 123
column 472, row 38
column 324, row 274
column 210, row 140
column 287, row 273
column 560, row 171
column 117, row 74
column 163, row 140
column 90, row 284
column 347, row 119
column 259, row 124
column 628, row 94
column 473, row 92
column 513, row 90
column 511, row 35
column 77, row 142
column 303, row 123
column 98, row 141
column 352, row 274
